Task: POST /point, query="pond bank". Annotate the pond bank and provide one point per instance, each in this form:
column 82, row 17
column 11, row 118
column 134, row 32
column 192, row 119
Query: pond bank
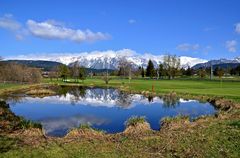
column 174, row 139
column 199, row 90
column 178, row 137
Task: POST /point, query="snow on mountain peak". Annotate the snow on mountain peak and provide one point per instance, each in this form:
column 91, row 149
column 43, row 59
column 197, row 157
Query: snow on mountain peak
column 107, row 59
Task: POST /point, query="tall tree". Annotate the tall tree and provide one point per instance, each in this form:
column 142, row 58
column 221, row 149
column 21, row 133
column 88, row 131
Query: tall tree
column 82, row 73
column 19, row 73
column 202, row 73
column 64, row 72
column 171, row 65
column 237, row 69
column 215, row 71
column 126, row 68
column 161, row 71
column 142, row 72
column 150, row 72
column 75, row 71
column 220, row 72
column 189, row 71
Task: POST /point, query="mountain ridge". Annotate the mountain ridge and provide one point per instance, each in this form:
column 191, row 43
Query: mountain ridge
column 223, row 63
column 110, row 59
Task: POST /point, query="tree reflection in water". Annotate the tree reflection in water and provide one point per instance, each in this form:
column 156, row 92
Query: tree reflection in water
column 80, row 93
column 150, row 99
column 124, row 100
column 170, row 101
column 76, row 93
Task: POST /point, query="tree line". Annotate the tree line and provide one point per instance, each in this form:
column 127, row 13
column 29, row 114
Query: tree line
column 170, row 68
column 75, row 72
column 12, row 72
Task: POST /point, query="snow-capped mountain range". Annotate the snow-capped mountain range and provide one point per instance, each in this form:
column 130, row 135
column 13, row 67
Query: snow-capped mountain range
column 235, row 61
column 108, row 59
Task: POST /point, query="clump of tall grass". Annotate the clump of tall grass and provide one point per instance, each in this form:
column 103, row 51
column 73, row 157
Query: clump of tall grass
column 84, row 126
column 25, row 124
column 134, row 120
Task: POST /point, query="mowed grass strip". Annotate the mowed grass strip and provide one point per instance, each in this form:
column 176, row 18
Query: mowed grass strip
column 226, row 89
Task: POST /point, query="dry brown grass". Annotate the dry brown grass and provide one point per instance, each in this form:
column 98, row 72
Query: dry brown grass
column 40, row 92
column 138, row 128
column 84, row 133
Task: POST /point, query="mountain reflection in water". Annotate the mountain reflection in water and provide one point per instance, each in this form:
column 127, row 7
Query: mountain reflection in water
column 105, row 109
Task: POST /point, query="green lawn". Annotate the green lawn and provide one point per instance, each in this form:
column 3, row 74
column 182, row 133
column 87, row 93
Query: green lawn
column 205, row 137
column 10, row 87
column 7, row 86
column 226, row 89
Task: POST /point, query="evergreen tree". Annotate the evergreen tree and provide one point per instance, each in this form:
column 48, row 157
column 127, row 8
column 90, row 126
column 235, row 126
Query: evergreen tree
column 238, row 70
column 150, row 72
column 142, row 72
column 161, row 71
column 188, row 71
column 120, row 71
column 215, row 72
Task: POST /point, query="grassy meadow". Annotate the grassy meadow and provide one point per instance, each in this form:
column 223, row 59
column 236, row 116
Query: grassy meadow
column 227, row 89
column 208, row 136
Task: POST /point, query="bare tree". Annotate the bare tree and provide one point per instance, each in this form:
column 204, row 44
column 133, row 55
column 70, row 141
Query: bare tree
column 172, row 65
column 75, row 71
column 220, row 73
column 106, row 78
column 82, row 73
column 126, row 68
column 19, row 73
column 202, row 73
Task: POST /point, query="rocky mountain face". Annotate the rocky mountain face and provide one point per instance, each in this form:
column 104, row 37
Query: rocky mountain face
column 224, row 63
column 111, row 60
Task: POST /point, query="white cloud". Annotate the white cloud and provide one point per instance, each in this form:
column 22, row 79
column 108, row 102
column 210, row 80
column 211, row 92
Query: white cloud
column 132, row 21
column 188, row 47
column 231, row 46
column 237, row 29
column 51, row 30
column 8, row 22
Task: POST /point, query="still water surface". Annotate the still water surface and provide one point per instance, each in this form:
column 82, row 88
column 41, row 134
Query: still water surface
column 105, row 109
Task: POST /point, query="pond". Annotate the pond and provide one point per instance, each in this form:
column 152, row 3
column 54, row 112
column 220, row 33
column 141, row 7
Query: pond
column 104, row 109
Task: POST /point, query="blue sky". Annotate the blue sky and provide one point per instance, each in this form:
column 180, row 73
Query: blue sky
column 207, row 29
